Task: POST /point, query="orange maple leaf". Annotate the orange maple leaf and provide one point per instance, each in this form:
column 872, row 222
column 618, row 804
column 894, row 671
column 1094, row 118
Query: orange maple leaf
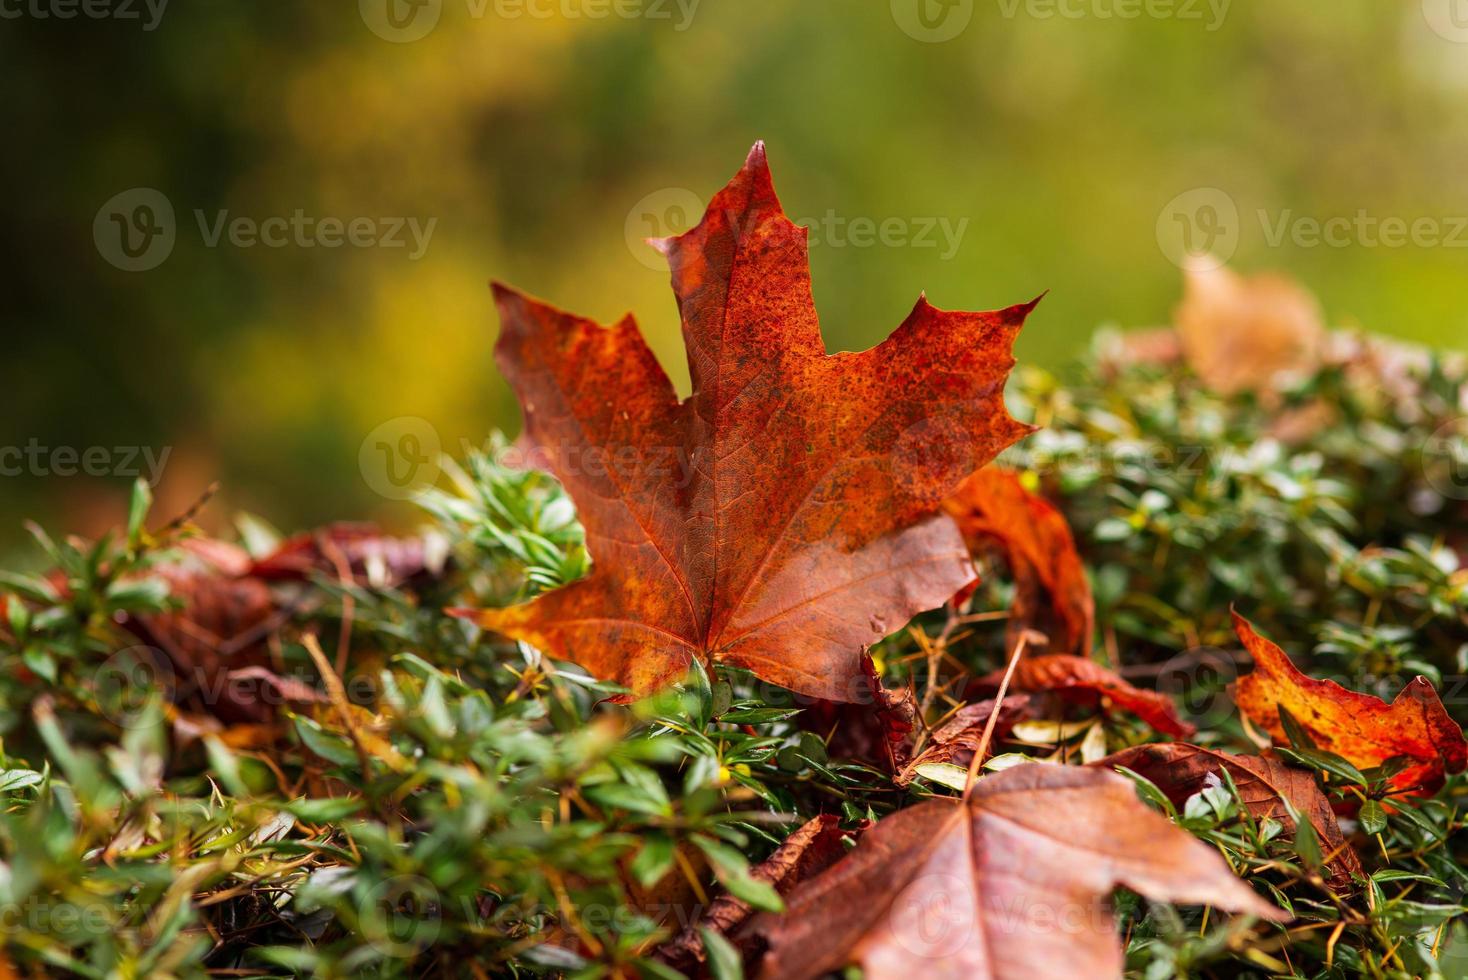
column 1362, row 729
column 1077, row 677
column 996, row 512
column 784, row 516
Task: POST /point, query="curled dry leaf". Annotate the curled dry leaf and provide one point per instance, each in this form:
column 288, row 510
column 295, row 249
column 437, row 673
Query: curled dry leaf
column 1360, row 728
column 1013, row 883
column 215, row 642
column 1243, row 334
column 785, row 515
column 371, row 557
column 1179, row 770
column 813, row 848
column 1076, row 677
column 876, row 728
column 953, row 742
column 996, row 513
column 218, row 630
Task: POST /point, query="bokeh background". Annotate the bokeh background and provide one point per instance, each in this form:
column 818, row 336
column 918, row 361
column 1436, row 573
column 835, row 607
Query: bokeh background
column 1006, row 146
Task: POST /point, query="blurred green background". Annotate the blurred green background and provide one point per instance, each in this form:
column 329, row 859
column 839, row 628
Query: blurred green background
column 1050, row 141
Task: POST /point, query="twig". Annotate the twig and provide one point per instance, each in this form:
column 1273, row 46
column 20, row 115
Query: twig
column 983, row 746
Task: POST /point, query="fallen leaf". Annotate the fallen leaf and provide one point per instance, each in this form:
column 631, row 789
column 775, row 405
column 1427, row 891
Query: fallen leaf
column 786, row 515
column 1012, row 883
column 996, row 513
column 1180, row 770
column 373, row 558
column 1243, row 334
column 954, row 742
column 219, row 627
column 876, row 728
column 1360, row 728
column 1074, row 677
column 811, row 849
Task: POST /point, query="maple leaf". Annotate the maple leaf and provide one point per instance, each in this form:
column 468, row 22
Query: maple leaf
column 811, row 849
column 1074, row 677
column 1245, row 334
column 996, row 512
column 1179, row 770
column 1360, row 728
column 1012, row 883
column 785, row 515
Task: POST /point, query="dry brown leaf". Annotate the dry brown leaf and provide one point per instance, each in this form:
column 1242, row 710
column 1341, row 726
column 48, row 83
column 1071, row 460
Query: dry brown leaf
column 1243, row 334
column 1014, row 883
column 811, row 849
column 1180, row 770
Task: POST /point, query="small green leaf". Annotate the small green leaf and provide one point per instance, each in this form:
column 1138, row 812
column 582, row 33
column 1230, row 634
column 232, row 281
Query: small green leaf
column 654, row 859
column 137, row 512
column 723, row 959
column 1373, row 817
column 733, row 871
column 41, row 663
